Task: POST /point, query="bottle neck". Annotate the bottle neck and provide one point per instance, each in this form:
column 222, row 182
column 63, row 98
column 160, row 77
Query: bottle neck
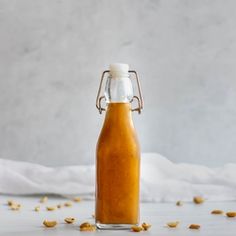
column 118, row 89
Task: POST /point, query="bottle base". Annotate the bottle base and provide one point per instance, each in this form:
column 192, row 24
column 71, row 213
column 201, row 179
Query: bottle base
column 114, row 226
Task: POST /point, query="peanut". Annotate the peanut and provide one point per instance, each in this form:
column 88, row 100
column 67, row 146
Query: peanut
column 179, row 203
column 231, row 213
column 194, row 226
column 49, row 224
column 67, row 204
column 43, row 199
column 69, row 220
column 15, row 207
column 77, row 199
column 198, row 200
column 86, row 226
column 136, row 228
column 51, row 208
column 173, row 224
column 10, row 202
column 146, row 226
column 217, row 212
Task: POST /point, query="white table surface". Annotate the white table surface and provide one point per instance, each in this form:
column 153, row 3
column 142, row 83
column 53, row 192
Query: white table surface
column 28, row 222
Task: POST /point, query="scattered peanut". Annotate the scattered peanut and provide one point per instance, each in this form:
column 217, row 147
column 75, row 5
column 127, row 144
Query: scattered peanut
column 69, row 220
column 15, row 206
column 146, row 226
column 37, row 208
column 49, row 224
column 194, row 226
column 77, row 199
column 51, row 208
column 217, row 212
column 59, row 206
column 43, row 199
column 173, row 224
column 179, row 203
column 231, row 213
column 10, row 202
column 136, row 228
column 86, row 226
column 198, row 200
column 67, row 204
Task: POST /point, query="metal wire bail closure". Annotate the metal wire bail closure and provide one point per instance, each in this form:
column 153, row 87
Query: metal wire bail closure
column 139, row 98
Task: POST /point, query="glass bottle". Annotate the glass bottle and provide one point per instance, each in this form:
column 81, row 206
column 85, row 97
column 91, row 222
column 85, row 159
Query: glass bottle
column 118, row 153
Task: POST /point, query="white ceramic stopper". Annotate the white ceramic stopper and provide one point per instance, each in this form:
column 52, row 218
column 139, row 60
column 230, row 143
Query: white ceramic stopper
column 119, row 70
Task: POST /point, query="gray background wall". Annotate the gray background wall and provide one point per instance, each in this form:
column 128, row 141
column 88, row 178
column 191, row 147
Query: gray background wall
column 52, row 54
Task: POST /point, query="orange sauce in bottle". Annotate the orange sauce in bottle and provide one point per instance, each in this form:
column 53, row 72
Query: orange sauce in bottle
column 117, row 168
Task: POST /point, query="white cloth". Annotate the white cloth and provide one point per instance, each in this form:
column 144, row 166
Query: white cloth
column 161, row 180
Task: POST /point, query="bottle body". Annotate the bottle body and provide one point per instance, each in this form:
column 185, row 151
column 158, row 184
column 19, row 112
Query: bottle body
column 117, row 169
